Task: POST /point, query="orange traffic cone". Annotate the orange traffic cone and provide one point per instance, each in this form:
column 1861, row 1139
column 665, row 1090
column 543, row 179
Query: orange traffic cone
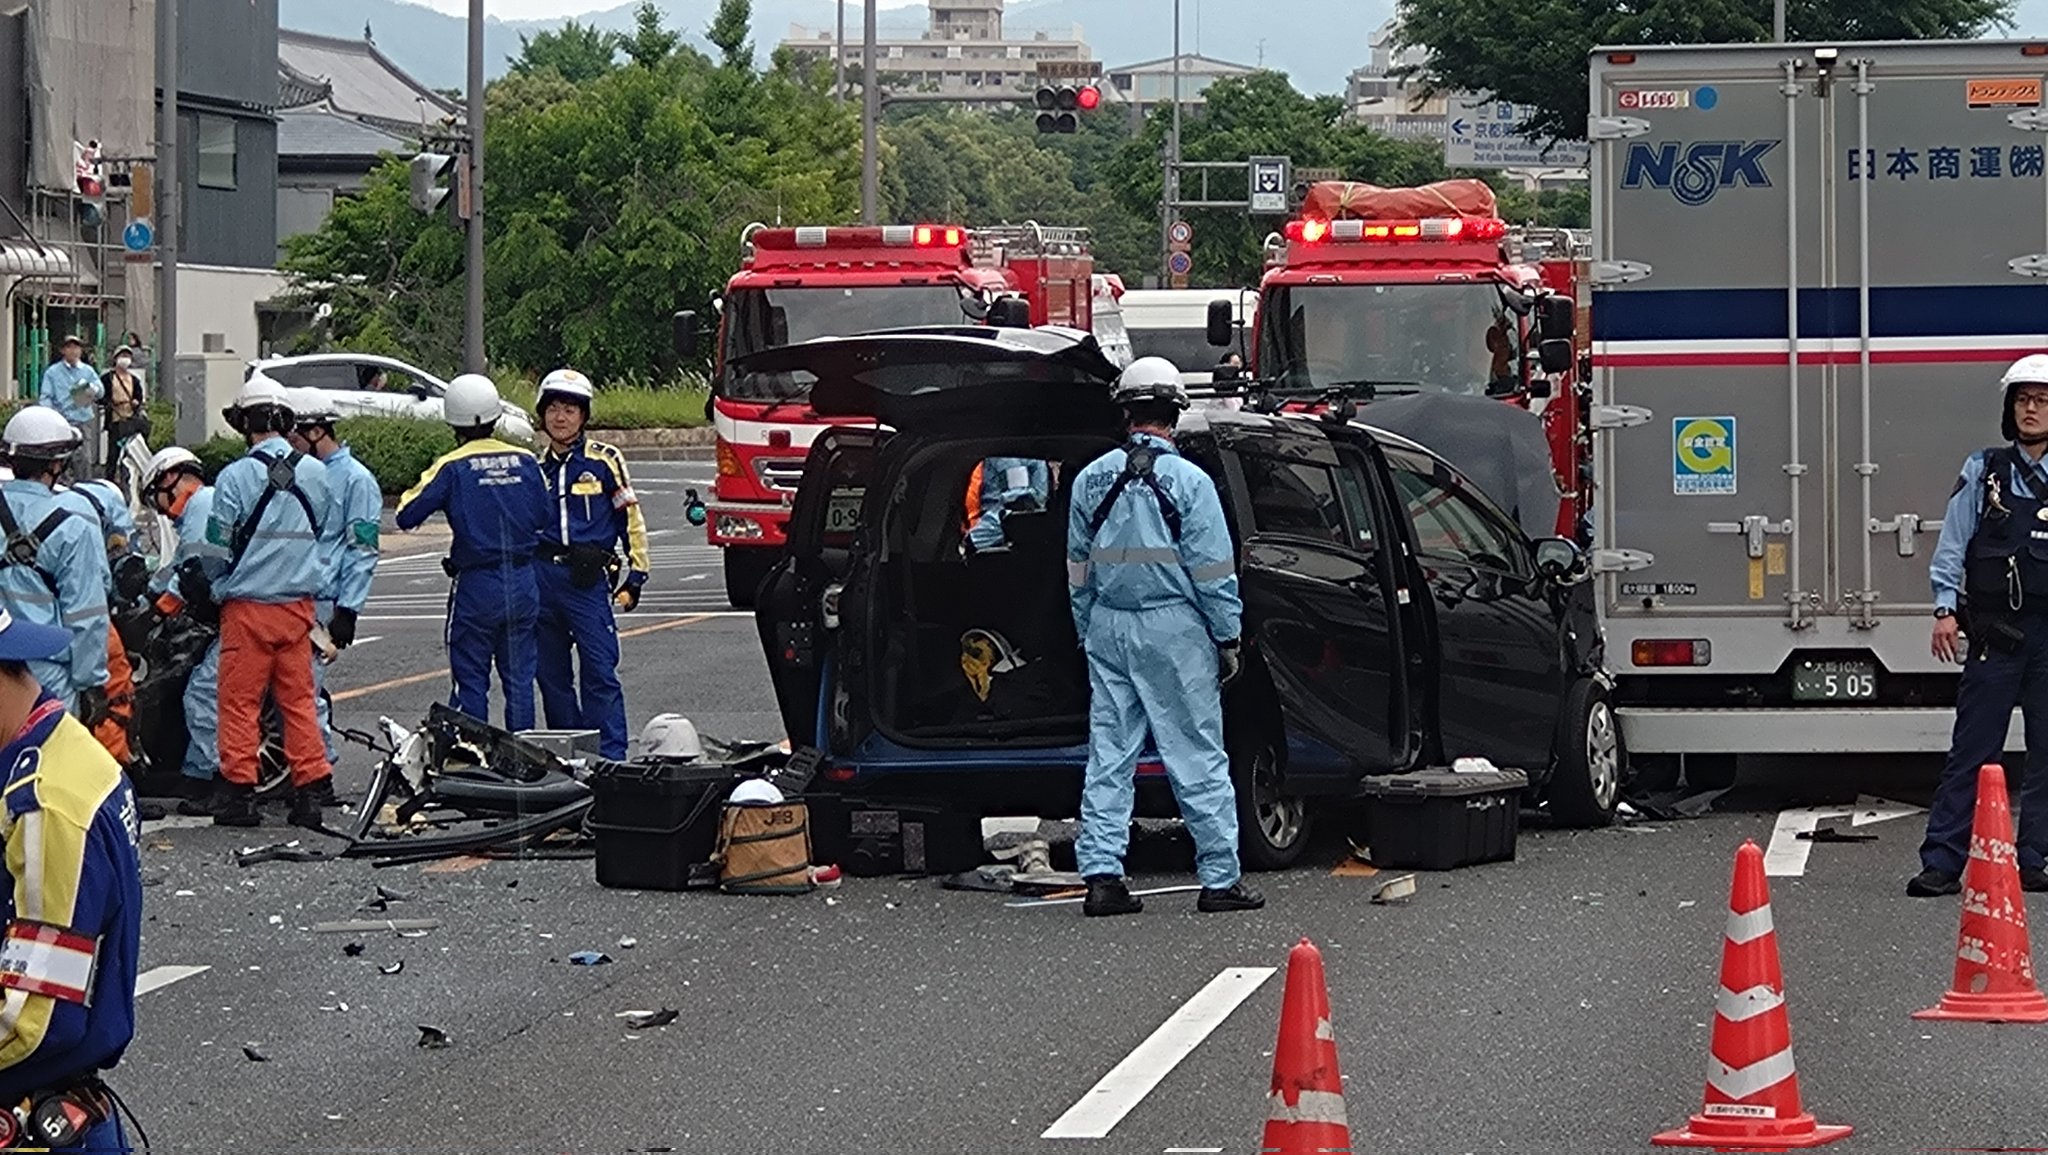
column 1994, row 980
column 1306, row 1108
column 1752, row 1097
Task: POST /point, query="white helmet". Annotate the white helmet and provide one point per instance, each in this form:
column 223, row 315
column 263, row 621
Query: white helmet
column 1150, row 379
column 313, row 407
column 756, row 792
column 671, row 736
column 567, row 383
column 472, row 400
column 39, row 433
column 262, row 406
column 169, row 458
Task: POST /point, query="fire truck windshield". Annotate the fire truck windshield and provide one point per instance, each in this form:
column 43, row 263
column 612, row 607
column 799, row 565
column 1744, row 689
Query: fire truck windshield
column 1435, row 338
column 759, row 319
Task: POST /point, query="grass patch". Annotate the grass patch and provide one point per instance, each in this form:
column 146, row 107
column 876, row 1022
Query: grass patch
column 679, row 405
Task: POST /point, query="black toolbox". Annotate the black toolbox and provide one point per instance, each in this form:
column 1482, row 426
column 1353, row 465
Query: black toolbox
column 656, row 818
column 1440, row 819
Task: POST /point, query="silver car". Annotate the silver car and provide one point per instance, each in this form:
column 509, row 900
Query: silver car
column 362, row 385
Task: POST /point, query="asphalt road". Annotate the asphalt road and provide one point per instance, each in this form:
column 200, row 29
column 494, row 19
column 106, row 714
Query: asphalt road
column 1558, row 1003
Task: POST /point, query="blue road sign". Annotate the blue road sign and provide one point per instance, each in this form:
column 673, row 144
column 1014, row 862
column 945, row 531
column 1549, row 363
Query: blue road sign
column 138, row 236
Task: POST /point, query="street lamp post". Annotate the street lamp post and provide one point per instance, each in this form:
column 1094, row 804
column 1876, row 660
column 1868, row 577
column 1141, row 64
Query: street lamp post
column 839, row 57
column 871, row 111
column 1169, row 188
column 473, row 288
column 1778, row 21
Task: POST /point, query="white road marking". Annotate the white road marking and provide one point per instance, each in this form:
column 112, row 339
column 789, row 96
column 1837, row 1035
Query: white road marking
column 157, row 978
column 1787, row 854
column 1107, row 1102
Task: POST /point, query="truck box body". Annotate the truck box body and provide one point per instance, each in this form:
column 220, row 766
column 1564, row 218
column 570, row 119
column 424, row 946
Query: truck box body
column 1802, row 275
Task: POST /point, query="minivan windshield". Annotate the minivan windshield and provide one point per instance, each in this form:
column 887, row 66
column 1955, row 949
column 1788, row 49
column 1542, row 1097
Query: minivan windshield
column 1434, row 338
column 759, row 319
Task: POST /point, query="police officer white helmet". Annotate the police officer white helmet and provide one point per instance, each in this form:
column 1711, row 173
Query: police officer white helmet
column 567, row 383
column 471, row 401
column 2031, row 369
column 39, row 433
column 262, row 406
column 1150, row 380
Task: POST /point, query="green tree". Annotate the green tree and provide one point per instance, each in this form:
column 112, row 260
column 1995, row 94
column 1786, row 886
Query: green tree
column 578, row 53
column 1535, row 52
column 651, row 42
column 729, row 33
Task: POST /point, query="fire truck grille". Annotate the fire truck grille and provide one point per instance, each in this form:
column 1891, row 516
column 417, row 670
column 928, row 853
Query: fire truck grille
column 780, row 474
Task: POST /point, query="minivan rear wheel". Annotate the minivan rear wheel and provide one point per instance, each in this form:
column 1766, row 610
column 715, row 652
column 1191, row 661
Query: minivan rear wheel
column 1591, row 760
column 1273, row 824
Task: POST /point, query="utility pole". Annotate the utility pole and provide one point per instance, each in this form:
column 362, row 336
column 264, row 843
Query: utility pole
column 473, row 296
column 1778, row 21
column 839, row 57
column 170, row 198
column 1169, row 190
column 871, row 112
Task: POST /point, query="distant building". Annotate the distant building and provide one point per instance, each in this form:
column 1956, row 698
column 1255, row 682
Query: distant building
column 963, row 49
column 1150, row 83
column 342, row 105
column 1391, row 105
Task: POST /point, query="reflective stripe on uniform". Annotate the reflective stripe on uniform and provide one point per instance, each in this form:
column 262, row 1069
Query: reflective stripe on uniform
column 1077, row 573
column 1216, row 571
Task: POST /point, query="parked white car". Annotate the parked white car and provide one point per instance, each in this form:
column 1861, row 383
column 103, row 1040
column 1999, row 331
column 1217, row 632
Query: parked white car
column 361, row 385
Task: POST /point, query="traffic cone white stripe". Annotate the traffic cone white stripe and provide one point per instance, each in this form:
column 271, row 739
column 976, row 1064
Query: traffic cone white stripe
column 1325, row 1032
column 1742, row 1082
column 1747, row 928
column 1741, row 1006
column 1312, row 1107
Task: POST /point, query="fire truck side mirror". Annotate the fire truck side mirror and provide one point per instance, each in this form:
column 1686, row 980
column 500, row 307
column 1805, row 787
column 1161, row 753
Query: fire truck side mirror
column 1221, row 323
column 1010, row 313
column 685, row 333
column 1556, row 355
column 1559, row 317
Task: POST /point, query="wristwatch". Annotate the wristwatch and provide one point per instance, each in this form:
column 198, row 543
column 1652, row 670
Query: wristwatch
column 1941, row 612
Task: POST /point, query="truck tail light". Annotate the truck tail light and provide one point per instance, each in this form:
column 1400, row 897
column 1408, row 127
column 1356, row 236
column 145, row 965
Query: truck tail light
column 1671, row 652
column 838, row 772
column 728, row 461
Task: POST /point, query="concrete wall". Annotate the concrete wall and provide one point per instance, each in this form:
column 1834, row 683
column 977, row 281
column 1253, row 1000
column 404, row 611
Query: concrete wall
column 223, row 301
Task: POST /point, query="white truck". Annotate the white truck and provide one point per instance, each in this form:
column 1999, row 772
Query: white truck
column 1812, row 262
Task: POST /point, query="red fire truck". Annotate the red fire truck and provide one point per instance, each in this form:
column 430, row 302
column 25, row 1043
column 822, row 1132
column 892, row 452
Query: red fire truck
column 1379, row 292
column 795, row 284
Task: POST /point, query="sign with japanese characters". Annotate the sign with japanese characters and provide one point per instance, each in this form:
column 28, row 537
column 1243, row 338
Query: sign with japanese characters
column 1485, row 134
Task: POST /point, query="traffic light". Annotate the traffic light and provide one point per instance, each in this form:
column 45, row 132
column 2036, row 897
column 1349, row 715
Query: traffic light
column 1058, row 107
column 428, row 194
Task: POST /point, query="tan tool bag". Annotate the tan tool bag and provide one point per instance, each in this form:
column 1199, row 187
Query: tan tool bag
column 765, row 849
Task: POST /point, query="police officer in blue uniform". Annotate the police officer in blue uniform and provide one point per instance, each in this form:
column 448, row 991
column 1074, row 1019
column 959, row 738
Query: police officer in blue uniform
column 348, row 536
column 1992, row 565
column 497, row 507
column 1153, row 584
column 53, row 571
column 596, row 515
column 70, row 913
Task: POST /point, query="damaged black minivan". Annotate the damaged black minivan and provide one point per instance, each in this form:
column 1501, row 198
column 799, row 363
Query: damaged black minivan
column 1394, row 617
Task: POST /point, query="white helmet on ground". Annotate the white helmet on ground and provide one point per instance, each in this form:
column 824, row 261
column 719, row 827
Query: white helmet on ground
column 2031, row 369
column 39, row 433
column 472, row 400
column 671, row 736
column 170, row 459
column 1150, row 379
column 262, row 406
column 568, row 384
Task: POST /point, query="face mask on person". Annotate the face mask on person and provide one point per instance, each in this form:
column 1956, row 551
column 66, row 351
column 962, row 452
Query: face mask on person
column 122, row 362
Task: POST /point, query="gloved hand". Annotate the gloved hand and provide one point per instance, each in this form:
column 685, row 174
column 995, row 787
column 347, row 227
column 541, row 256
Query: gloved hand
column 1229, row 662
column 342, row 627
column 627, row 599
column 92, row 706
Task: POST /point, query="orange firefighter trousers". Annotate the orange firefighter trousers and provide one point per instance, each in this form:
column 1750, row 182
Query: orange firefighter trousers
column 264, row 650
column 113, row 733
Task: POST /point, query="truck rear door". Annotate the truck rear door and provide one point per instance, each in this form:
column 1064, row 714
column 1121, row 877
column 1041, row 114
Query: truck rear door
column 1803, row 304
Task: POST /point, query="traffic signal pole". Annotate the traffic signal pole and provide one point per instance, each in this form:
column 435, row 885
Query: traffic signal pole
column 871, row 113
column 1169, row 188
column 473, row 294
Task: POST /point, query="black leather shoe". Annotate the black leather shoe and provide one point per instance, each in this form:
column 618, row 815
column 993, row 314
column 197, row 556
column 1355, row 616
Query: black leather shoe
column 1109, row 895
column 1237, row 896
column 323, row 793
column 235, row 805
column 1934, row 884
column 2035, row 881
column 306, row 804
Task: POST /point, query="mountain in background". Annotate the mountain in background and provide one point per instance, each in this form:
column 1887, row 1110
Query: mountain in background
column 1304, row 38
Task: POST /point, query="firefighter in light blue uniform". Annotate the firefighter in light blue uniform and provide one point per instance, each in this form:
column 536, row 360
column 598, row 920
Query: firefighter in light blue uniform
column 348, row 535
column 175, row 487
column 596, row 515
column 1007, row 483
column 70, row 905
column 1154, row 592
column 497, row 507
column 53, row 570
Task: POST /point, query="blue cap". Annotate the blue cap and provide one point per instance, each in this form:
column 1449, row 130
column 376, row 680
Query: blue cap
column 22, row 641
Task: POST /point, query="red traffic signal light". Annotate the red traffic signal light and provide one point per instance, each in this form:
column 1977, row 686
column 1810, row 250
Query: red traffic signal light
column 1059, row 105
column 1089, row 98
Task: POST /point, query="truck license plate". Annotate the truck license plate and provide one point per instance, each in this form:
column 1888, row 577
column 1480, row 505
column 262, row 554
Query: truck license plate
column 842, row 515
column 1834, row 681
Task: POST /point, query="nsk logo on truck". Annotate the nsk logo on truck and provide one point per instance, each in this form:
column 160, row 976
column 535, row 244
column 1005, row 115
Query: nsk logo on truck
column 1693, row 173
